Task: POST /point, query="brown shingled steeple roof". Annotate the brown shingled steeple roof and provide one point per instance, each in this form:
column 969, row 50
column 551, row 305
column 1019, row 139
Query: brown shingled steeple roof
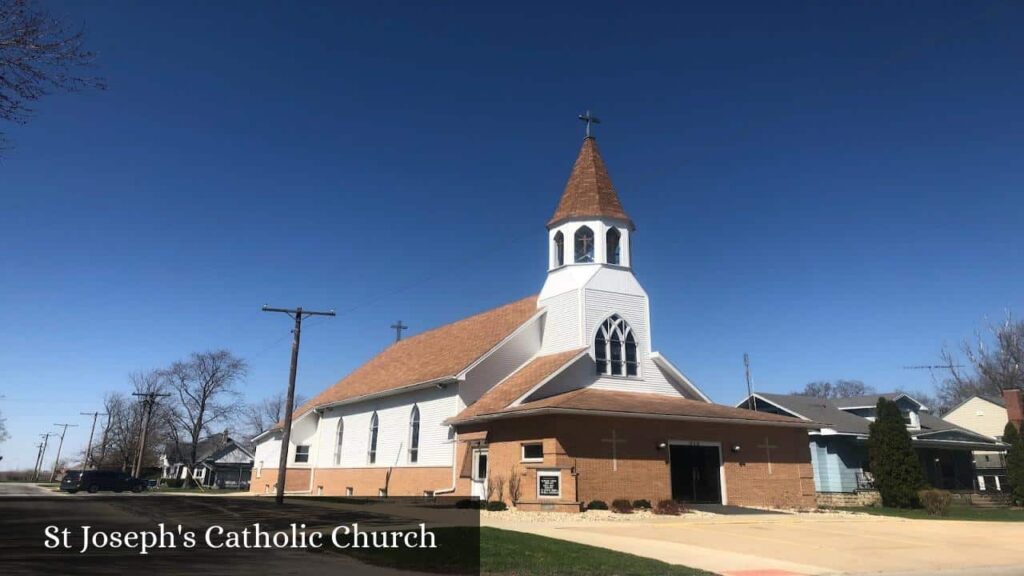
column 589, row 192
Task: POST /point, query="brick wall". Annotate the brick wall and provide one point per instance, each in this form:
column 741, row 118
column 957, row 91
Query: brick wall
column 398, row 481
column 573, row 445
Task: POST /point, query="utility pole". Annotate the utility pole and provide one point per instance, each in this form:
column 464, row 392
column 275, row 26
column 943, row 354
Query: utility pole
column 42, row 454
column 148, row 400
column 297, row 314
column 56, row 462
column 88, row 449
column 751, row 405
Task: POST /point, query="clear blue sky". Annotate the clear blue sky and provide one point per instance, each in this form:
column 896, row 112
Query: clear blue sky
column 835, row 188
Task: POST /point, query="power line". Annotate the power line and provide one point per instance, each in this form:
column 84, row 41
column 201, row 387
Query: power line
column 296, row 314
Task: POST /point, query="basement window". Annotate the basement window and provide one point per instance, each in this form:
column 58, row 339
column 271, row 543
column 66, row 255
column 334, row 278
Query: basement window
column 533, row 452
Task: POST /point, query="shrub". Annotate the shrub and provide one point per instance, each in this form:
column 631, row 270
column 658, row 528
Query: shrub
column 642, row 504
column 622, row 506
column 894, row 464
column 514, row 485
column 469, row 504
column 597, row 505
column 174, row 482
column 1014, row 462
column 936, row 502
column 668, row 508
column 496, row 506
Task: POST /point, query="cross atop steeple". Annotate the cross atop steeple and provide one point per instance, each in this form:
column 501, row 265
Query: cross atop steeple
column 589, row 119
column 398, row 330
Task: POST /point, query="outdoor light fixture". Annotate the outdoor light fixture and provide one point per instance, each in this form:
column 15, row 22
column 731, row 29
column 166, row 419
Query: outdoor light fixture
column 735, row 447
column 662, row 445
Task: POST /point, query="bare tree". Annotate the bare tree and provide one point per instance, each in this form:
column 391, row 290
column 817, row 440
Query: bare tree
column 3, row 429
column 204, row 385
column 840, row 389
column 39, row 55
column 996, row 363
column 259, row 416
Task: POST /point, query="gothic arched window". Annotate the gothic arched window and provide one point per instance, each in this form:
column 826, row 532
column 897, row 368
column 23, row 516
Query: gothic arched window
column 372, row 452
column 559, row 249
column 613, row 238
column 615, row 348
column 584, row 244
column 414, row 434
column 337, row 442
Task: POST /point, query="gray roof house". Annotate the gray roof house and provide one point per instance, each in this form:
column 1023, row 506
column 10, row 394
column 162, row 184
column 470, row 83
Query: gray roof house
column 839, row 447
column 220, row 461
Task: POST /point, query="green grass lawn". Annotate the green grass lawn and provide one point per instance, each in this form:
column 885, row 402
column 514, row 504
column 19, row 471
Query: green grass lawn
column 507, row 553
column 955, row 513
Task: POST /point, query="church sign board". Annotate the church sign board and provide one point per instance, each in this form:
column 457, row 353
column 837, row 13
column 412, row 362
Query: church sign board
column 549, row 484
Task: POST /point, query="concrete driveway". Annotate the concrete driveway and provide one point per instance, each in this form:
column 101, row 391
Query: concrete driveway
column 23, row 489
column 804, row 544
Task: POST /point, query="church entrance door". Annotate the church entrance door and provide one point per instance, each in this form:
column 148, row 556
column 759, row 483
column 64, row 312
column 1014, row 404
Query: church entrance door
column 479, row 476
column 696, row 472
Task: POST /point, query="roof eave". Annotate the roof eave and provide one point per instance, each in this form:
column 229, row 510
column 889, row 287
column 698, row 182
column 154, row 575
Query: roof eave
column 584, row 412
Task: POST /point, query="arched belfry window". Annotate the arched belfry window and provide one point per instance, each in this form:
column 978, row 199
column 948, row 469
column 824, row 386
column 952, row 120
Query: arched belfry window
column 615, row 348
column 337, row 442
column 559, row 249
column 372, row 452
column 613, row 244
column 584, row 244
column 414, row 434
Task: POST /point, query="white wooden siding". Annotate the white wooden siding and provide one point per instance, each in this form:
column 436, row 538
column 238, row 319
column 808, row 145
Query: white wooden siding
column 510, row 355
column 561, row 323
column 598, row 306
column 393, row 412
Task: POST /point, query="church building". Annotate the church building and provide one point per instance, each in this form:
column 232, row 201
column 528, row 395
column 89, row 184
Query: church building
column 548, row 402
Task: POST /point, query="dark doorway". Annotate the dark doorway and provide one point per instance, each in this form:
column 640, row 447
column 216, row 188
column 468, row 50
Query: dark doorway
column 695, row 474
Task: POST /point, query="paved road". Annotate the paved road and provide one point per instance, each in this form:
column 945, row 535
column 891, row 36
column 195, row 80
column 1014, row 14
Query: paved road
column 23, row 489
column 24, row 522
column 805, row 544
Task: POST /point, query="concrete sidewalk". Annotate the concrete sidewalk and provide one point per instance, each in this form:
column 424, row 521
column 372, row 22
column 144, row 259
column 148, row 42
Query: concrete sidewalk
column 804, row 544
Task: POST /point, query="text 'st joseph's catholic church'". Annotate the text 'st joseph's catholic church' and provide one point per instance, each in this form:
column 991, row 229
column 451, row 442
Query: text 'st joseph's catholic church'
column 563, row 391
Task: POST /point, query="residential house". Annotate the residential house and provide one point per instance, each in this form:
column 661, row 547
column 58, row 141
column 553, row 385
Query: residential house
column 985, row 415
column 838, row 446
column 220, row 462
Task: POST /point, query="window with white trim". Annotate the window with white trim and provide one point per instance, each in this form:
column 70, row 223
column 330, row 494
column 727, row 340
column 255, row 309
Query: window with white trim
column 338, row 437
column 302, row 453
column 533, row 452
column 414, row 435
column 559, row 249
column 584, row 243
column 615, row 350
column 371, row 454
column 613, row 241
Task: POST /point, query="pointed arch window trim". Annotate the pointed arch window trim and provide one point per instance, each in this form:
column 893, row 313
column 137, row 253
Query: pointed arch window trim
column 414, row 434
column 339, row 437
column 559, row 246
column 615, row 349
column 613, row 246
column 583, row 243
column 371, row 453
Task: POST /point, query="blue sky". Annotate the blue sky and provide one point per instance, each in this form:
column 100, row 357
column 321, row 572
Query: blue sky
column 834, row 188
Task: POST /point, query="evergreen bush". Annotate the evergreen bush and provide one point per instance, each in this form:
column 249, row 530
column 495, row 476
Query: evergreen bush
column 1014, row 462
column 642, row 504
column 622, row 506
column 668, row 508
column 497, row 506
column 597, row 505
column 894, row 464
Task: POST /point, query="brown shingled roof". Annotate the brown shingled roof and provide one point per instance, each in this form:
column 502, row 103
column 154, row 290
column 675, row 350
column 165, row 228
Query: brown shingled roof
column 643, row 404
column 519, row 382
column 433, row 355
column 589, row 192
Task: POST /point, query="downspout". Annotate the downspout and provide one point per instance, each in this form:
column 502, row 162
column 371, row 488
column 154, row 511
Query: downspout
column 455, row 465
column 316, row 455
